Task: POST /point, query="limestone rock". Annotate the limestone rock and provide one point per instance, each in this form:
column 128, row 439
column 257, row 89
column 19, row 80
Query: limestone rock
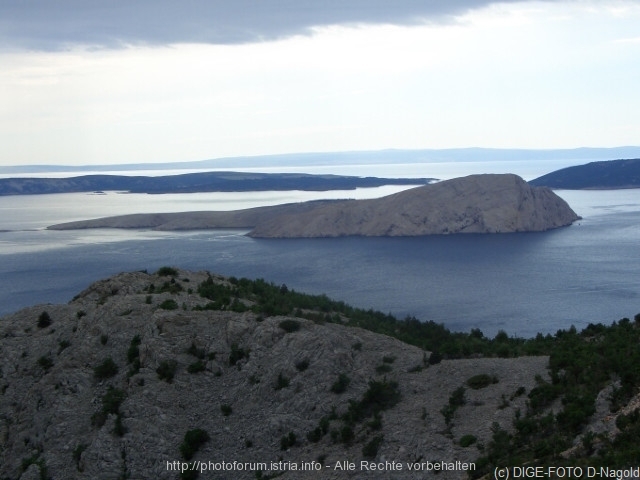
column 473, row 204
column 57, row 411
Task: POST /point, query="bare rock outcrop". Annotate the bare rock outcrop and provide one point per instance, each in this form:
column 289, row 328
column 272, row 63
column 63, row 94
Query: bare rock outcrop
column 108, row 385
column 473, row 204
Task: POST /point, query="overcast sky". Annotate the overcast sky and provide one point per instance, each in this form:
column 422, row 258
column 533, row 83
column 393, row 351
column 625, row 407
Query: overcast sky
column 124, row 81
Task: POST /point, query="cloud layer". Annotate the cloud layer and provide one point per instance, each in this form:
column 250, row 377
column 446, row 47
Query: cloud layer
column 47, row 25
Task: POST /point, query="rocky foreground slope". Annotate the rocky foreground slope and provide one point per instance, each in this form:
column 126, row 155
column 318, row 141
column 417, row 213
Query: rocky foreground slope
column 140, row 372
column 473, row 204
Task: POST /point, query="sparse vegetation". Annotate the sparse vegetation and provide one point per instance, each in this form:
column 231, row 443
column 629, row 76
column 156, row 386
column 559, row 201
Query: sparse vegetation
column 197, row 366
column 237, row 354
column 467, row 440
column 341, row 384
column 192, row 442
column 288, row 441
column 289, row 325
column 482, row 380
column 370, row 450
column 167, row 370
column 106, row 369
column 226, row 409
column 456, row 400
column 167, row 272
column 44, row 320
column 302, row 365
column 169, row 304
column 46, row 363
column 281, row 382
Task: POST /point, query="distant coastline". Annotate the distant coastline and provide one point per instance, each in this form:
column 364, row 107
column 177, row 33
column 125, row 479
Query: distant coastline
column 198, row 182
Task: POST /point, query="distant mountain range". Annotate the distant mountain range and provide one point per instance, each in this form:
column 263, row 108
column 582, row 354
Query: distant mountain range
column 350, row 158
column 197, row 182
column 596, row 175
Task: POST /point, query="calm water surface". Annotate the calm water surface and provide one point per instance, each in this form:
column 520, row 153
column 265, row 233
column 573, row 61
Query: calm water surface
column 521, row 283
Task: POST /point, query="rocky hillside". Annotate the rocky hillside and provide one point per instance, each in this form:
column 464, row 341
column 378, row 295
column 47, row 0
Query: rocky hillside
column 141, row 372
column 473, row 204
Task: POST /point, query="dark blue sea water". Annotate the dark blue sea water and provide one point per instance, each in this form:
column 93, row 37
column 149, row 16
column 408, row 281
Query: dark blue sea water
column 521, row 283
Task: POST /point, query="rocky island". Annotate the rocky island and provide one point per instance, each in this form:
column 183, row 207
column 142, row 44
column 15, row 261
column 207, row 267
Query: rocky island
column 474, row 204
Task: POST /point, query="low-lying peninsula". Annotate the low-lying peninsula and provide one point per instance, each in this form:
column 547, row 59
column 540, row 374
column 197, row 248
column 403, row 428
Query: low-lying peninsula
column 198, row 182
column 489, row 203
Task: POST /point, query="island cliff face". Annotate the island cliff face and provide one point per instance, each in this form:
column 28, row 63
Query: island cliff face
column 473, row 204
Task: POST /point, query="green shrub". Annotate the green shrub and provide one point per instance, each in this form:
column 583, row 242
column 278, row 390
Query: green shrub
column 77, row 453
column 197, row 366
column 167, row 272
column 134, row 351
column 166, row 370
column 44, row 320
column 341, row 384
column 370, row 450
column 104, row 339
column 106, row 369
column 384, row 368
column 45, row 362
column 346, row 434
column 481, row 381
column 63, row 344
column 237, row 354
column 226, row 409
column 281, row 382
column 435, row 358
column 169, row 304
column 289, row 325
column 302, row 365
column 288, row 441
column 467, row 440
column 192, row 442
column 196, row 352
column 112, row 400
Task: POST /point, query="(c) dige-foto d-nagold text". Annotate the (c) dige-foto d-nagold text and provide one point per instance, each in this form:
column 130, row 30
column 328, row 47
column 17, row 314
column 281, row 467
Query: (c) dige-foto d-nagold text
column 506, row 473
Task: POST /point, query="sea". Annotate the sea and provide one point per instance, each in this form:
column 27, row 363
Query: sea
column 522, row 284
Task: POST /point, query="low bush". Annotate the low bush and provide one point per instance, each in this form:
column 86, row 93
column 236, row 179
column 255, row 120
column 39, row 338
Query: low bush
column 46, row 363
column 467, row 440
column 169, row 304
column 341, row 384
column 197, row 366
column 106, row 369
column 192, row 442
column 281, row 382
column 167, row 272
column 289, row 325
column 302, row 365
column 166, row 370
column 370, row 450
column 481, row 381
column 44, row 320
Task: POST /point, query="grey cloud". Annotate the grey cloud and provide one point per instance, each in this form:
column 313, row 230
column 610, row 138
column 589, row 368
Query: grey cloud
column 54, row 25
